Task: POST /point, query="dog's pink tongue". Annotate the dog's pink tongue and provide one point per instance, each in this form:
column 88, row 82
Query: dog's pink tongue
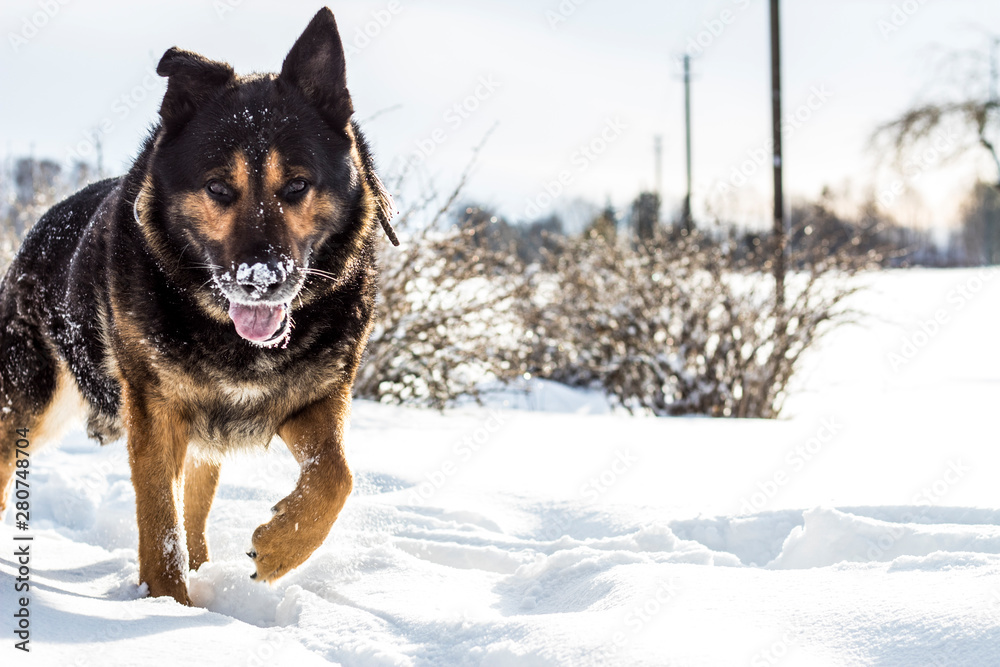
column 256, row 323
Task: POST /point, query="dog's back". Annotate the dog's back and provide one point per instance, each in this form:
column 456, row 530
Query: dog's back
column 49, row 310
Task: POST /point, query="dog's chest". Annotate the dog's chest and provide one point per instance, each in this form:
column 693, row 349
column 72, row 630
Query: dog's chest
column 225, row 416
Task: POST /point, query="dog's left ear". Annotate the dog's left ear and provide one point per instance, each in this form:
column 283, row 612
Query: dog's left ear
column 316, row 66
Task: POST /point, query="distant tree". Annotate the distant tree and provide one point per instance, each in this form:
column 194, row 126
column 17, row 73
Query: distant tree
column 605, row 225
column 646, row 215
column 832, row 224
column 82, row 174
column 816, row 225
column 32, row 177
column 538, row 237
column 486, row 229
column 974, row 113
column 980, row 234
column 491, row 231
column 28, row 188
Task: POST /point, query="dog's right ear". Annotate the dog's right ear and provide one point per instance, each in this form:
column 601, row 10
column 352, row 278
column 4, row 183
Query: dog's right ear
column 191, row 81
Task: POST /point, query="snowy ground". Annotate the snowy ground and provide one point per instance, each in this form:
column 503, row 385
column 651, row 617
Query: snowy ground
column 862, row 529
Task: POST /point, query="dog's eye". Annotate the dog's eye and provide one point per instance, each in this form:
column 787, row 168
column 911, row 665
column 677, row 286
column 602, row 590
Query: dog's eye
column 296, row 188
column 219, row 191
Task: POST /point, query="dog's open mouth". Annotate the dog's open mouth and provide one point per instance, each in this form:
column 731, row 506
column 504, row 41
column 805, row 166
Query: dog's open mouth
column 261, row 324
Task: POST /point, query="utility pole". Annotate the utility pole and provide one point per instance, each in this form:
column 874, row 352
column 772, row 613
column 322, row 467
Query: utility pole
column 658, row 165
column 779, row 197
column 688, row 222
column 991, row 223
column 99, row 147
column 994, row 66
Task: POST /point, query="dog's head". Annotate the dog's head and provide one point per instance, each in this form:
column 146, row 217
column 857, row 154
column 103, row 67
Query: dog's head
column 254, row 175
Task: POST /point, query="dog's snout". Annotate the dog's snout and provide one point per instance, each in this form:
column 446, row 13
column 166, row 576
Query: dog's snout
column 262, row 280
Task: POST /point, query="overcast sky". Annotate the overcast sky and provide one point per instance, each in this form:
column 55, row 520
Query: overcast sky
column 554, row 77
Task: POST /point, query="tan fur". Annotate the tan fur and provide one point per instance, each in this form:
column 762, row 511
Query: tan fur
column 274, row 173
column 201, row 479
column 175, row 459
column 213, row 220
column 8, row 457
column 301, row 217
column 157, row 447
column 66, row 408
column 303, row 519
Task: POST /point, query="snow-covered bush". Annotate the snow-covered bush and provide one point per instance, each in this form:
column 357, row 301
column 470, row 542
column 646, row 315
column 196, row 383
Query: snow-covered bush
column 445, row 325
column 680, row 324
column 677, row 325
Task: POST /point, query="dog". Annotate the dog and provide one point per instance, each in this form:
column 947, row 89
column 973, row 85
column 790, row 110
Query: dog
column 219, row 294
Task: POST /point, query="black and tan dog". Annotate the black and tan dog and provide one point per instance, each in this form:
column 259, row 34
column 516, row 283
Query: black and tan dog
column 219, row 294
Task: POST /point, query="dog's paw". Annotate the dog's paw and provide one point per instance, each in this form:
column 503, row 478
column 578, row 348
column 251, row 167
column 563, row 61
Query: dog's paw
column 283, row 543
column 167, row 588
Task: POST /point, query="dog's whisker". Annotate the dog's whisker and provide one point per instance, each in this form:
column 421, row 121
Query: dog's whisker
column 180, row 256
column 320, row 274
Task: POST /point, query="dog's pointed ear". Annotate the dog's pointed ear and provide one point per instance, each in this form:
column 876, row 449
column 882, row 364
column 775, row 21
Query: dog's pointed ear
column 316, row 66
column 191, row 81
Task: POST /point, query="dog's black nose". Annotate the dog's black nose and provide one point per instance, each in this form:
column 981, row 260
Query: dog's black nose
column 262, row 280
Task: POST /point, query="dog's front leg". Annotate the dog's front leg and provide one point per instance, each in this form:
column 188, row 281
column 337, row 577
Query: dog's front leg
column 303, row 519
column 157, row 443
column 201, row 479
